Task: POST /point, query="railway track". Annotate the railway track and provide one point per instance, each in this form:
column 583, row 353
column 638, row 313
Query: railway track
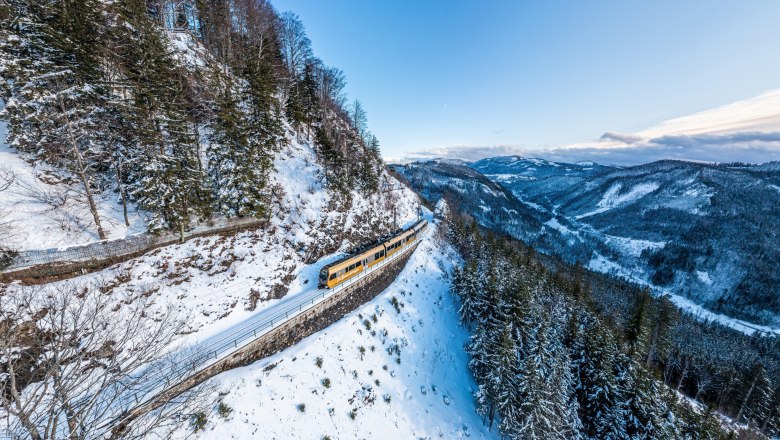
column 188, row 363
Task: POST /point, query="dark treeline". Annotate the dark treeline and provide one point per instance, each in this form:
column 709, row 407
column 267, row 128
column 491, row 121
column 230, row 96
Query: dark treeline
column 95, row 88
column 560, row 352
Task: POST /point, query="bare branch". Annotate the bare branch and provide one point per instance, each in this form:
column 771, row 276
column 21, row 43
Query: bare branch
column 72, row 359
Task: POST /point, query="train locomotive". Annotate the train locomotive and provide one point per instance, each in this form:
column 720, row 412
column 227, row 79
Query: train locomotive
column 337, row 272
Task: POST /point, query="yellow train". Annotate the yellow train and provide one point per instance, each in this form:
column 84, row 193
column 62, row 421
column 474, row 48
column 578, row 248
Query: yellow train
column 336, row 273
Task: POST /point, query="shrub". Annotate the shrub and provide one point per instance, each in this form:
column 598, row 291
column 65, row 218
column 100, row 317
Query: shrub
column 301, row 407
column 318, row 362
column 198, row 421
column 224, row 410
column 326, row 382
column 396, row 305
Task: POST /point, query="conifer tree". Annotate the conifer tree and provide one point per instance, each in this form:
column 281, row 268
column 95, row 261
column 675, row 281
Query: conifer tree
column 56, row 111
column 756, row 396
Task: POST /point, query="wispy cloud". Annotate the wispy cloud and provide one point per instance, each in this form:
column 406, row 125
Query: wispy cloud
column 746, row 131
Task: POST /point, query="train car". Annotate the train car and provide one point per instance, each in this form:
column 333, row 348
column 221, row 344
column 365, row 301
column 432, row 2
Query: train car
column 342, row 270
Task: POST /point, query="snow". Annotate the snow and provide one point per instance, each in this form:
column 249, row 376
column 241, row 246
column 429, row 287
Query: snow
column 555, row 224
column 706, row 315
column 601, row 264
column 186, row 51
column 37, row 224
column 704, row 277
column 509, row 178
column 429, row 391
column 209, row 280
column 613, row 199
column 632, row 246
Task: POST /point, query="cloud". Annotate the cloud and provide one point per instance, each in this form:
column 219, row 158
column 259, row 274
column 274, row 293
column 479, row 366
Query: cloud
column 755, row 147
column 466, row 152
column 744, row 131
column 620, row 137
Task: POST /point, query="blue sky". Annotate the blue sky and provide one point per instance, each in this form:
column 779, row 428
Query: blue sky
column 482, row 77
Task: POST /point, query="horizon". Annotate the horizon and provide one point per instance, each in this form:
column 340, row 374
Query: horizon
column 559, row 81
column 457, row 160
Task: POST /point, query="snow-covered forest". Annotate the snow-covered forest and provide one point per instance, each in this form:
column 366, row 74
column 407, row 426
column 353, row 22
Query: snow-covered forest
column 177, row 108
column 560, row 352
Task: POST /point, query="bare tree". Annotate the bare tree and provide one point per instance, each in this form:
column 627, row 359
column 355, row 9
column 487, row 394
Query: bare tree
column 7, row 178
column 295, row 45
column 73, row 359
column 81, row 166
column 359, row 118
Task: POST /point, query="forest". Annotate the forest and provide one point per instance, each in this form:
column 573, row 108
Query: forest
column 561, row 352
column 97, row 90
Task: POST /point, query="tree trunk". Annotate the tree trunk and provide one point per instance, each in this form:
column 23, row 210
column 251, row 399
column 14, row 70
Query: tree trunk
column 85, row 181
column 122, row 193
column 742, row 407
column 92, row 205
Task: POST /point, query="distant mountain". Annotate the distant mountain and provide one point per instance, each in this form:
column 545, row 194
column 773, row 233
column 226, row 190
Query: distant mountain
column 493, row 205
column 705, row 232
column 511, row 168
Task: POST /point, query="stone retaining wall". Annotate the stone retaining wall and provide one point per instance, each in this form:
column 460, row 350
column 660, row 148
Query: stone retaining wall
column 37, row 265
column 285, row 335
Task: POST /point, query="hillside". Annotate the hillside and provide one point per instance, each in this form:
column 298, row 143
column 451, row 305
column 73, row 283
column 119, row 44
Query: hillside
column 97, row 146
column 463, row 188
column 380, row 372
column 679, row 227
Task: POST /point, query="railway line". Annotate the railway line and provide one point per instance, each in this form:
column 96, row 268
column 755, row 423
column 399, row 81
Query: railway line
column 185, row 364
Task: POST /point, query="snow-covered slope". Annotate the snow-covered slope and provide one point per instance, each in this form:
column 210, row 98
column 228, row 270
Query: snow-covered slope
column 703, row 233
column 378, row 373
column 215, row 282
column 44, row 207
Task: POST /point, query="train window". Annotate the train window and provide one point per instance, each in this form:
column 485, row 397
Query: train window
column 358, row 264
column 333, row 276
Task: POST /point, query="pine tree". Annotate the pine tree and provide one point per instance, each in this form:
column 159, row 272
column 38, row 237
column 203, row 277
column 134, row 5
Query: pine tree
column 756, row 395
column 57, row 110
column 600, row 400
column 236, row 167
column 165, row 174
column 541, row 390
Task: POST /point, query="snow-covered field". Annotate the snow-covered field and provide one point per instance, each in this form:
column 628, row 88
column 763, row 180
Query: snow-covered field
column 613, row 198
column 378, row 373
